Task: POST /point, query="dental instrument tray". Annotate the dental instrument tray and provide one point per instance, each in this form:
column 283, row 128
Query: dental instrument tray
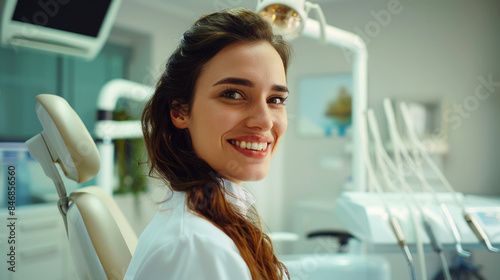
column 363, row 214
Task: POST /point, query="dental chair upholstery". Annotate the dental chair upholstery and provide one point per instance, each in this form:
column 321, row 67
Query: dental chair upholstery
column 101, row 240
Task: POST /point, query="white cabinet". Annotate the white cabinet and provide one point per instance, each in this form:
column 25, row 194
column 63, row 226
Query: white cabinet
column 41, row 245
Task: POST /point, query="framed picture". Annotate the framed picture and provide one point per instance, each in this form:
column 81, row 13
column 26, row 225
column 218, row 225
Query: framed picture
column 324, row 105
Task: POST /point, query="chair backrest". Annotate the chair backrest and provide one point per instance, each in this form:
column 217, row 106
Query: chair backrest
column 101, row 240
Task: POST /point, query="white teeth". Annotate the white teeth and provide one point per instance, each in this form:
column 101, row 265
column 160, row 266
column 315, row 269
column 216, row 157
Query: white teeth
column 258, row 146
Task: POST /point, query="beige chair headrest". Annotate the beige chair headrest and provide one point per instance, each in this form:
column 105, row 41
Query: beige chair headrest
column 75, row 135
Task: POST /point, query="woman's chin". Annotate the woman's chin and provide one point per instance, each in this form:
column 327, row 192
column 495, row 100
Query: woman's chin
column 242, row 177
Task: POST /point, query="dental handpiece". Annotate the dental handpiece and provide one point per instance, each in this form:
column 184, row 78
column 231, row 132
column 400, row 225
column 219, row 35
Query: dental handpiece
column 454, row 230
column 396, row 227
column 436, row 245
column 479, row 232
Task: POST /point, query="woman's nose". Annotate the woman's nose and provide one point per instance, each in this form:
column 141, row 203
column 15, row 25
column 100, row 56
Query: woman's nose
column 260, row 117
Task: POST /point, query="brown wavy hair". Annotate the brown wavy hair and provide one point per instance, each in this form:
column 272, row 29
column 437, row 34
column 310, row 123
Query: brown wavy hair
column 170, row 151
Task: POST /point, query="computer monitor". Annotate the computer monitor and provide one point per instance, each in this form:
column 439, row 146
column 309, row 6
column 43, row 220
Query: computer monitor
column 72, row 27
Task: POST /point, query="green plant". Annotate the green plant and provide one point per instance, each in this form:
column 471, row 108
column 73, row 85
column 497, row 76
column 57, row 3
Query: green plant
column 128, row 155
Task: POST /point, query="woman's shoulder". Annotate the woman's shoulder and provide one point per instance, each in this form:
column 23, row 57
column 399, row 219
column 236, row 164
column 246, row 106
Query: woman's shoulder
column 175, row 222
column 178, row 240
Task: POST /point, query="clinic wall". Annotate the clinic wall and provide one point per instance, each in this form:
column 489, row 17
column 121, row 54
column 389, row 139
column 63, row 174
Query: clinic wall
column 156, row 33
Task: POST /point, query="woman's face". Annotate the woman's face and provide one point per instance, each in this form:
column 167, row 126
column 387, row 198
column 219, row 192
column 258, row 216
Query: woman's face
column 238, row 115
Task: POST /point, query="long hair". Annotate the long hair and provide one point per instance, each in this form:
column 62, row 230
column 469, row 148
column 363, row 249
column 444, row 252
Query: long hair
column 170, row 151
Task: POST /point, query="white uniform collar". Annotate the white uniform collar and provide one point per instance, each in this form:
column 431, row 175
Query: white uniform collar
column 240, row 197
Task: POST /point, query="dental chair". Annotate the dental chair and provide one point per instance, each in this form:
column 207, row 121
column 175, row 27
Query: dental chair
column 101, row 240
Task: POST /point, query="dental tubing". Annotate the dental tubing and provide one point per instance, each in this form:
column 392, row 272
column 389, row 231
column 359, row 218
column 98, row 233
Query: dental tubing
column 436, row 245
column 379, row 150
column 471, row 220
column 384, row 160
column 396, row 227
column 396, row 140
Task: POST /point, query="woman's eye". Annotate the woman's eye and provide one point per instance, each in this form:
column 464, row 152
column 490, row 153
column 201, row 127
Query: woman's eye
column 231, row 94
column 278, row 100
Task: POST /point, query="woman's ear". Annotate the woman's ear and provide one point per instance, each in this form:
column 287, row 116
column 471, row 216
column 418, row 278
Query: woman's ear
column 179, row 115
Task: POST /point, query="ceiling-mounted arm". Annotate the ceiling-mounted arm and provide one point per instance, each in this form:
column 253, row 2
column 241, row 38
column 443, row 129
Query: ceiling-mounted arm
column 359, row 62
column 321, row 17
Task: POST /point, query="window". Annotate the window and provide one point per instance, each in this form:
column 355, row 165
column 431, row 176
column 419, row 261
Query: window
column 25, row 73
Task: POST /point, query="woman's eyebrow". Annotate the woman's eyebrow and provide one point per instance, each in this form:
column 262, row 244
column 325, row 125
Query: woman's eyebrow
column 235, row 81
column 248, row 83
column 280, row 88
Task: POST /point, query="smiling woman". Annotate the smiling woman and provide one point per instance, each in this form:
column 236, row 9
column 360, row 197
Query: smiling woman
column 215, row 120
column 238, row 97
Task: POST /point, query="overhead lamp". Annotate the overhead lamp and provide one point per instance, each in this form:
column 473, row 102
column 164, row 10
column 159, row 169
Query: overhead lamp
column 288, row 16
column 290, row 19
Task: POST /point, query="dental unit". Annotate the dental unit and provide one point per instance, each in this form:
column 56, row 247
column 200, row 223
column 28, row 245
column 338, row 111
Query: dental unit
column 399, row 214
column 397, row 142
column 384, row 161
column 394, row 222
column 420, row 151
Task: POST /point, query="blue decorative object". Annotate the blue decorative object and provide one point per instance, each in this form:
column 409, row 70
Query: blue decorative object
column 324, row 105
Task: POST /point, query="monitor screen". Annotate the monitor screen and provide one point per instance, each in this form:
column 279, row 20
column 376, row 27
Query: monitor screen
column 75, row 16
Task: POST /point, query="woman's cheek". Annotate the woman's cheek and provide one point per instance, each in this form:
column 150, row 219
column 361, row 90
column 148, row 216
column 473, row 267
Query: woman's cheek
column 281, row 123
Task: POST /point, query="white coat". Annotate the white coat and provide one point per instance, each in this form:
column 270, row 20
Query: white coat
column 177, row 244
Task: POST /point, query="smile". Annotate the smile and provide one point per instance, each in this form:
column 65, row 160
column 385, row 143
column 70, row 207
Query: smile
column 256, row 146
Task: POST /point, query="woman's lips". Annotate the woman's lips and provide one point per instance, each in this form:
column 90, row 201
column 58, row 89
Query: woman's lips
column 255, row 147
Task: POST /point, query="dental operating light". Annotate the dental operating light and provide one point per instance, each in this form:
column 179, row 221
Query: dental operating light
column 289, row 18
column 286, row 16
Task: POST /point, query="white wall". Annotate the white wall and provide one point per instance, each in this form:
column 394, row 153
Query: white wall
column 160, row 29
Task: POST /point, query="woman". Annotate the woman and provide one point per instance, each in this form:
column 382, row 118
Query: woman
column 215, row 120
